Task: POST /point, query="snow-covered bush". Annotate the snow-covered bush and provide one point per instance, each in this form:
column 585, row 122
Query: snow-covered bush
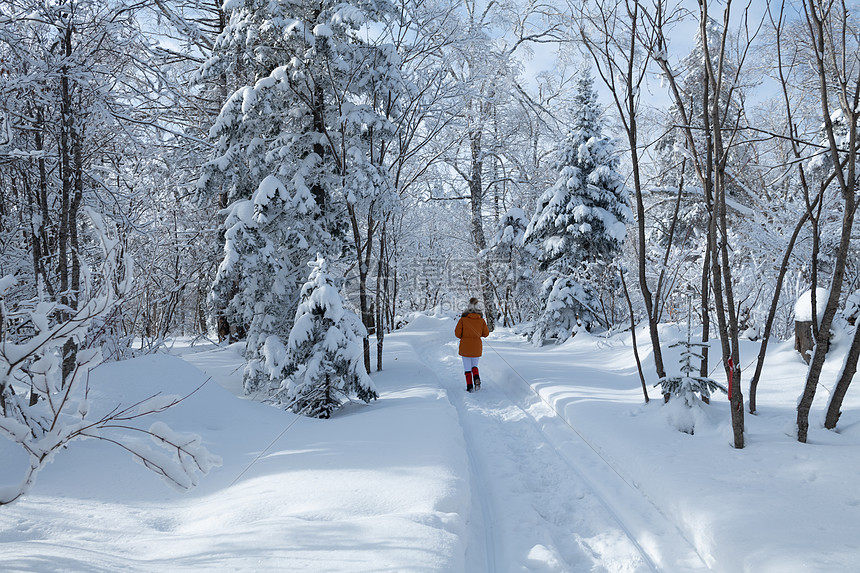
column 44, row 379
column 323, row 357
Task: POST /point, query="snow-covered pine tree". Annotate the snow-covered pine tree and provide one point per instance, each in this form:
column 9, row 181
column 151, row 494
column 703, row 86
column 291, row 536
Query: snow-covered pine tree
column 266, row 246
column 323, row 357
column 303, row 127
column 581, row 221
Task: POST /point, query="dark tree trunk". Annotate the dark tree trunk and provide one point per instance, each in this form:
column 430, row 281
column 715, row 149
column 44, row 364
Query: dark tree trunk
column 822, row 339
column 810, row 207
column 706, row 313
column 633, row 337
column 715, row 193
column 68, row 264
column 849, row 368
column 363, row 251
column 650, row 306
column 318, row 111
column 846, row 176
column 771, row 315
column 380, row 327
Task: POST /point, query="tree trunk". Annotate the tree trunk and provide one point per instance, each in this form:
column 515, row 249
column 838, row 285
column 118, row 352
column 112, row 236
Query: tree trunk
column 626, row 99
column 363, row 252
column 706, row 314
column 650, row 310
column 849, row 368
column 822, row 340
column 846, row 176
column 380, row 330
column 380, row 296
column 771, row 315
column 633, row 337
column 669, row 242
column 804, row 338
column 715, row 193
column 476, row 191
column 68, row 264
column 810, row 207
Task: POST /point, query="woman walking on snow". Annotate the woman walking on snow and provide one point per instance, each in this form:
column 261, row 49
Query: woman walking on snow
column 470, row 329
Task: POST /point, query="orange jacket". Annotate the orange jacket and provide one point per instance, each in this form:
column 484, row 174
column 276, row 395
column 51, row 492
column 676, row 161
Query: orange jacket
column 470, row 329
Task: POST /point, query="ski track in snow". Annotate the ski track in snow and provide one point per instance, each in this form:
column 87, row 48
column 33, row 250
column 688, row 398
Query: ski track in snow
column 538, row 510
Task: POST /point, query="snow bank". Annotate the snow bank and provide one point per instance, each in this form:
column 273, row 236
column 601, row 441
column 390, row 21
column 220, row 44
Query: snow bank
column 776, row 505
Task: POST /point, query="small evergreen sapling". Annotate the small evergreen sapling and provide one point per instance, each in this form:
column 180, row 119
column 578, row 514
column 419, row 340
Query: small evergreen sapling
column 324, row 357
column 687, row 385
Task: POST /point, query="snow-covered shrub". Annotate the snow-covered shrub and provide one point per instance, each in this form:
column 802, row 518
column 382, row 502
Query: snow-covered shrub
column 323, row 357
column 44, row 394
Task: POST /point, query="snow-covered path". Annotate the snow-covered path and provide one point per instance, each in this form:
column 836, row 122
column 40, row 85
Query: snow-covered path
column 543, row 500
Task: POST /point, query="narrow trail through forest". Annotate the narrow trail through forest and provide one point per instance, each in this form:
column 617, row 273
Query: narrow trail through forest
column 542, row 499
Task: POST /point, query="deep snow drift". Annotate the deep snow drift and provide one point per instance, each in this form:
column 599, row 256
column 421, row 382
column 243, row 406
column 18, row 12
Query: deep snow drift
column 555, row 465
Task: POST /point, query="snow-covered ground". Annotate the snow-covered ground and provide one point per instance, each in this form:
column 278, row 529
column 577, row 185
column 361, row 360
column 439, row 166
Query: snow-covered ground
column 555, row 465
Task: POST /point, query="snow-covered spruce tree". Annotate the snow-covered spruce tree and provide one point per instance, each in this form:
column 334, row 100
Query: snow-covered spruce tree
column 323, row 356
column 581, row 221
column 266, row 247
column 300, row 135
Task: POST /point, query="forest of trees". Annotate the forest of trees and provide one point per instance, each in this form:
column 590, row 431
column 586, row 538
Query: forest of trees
column 187, row 167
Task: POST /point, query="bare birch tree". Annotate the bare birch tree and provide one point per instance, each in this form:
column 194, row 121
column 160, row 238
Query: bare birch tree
column 620, row 37
column 710, row 154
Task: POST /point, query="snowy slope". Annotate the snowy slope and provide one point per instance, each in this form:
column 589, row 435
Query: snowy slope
column 555, row 465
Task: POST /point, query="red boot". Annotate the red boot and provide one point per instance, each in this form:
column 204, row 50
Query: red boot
column 469, row 386
column 475, row 377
